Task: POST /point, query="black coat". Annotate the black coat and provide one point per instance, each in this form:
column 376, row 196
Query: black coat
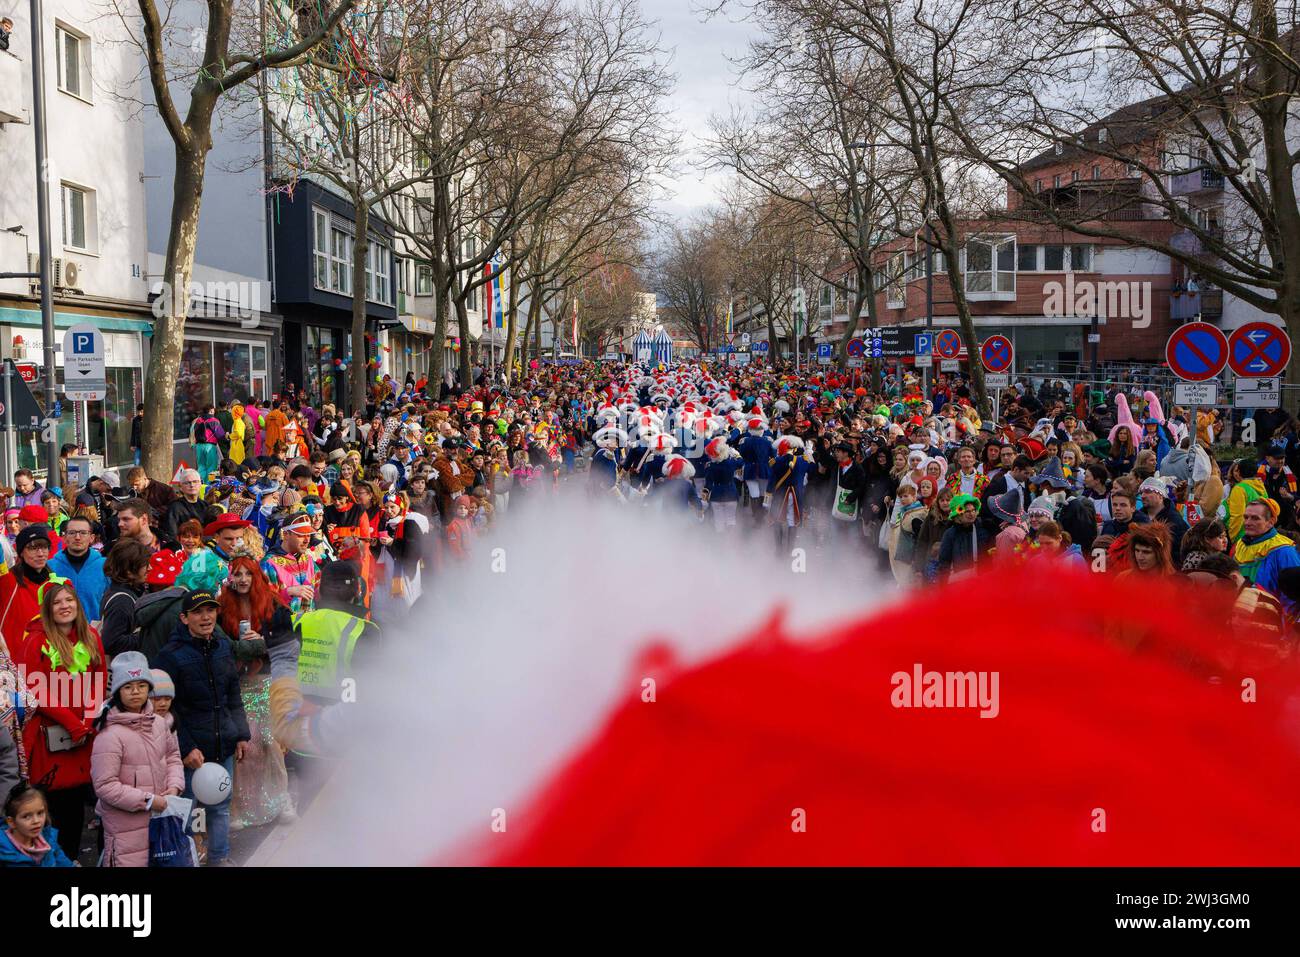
column 208, row 707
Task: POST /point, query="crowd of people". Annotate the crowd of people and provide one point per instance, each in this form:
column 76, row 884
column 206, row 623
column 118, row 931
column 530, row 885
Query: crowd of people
column 154, row 624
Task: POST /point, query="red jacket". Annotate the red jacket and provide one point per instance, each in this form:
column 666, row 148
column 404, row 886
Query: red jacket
column 18, row 606
column 64, row 699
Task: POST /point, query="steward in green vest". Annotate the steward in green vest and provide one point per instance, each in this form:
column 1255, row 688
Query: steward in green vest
column 331, row 634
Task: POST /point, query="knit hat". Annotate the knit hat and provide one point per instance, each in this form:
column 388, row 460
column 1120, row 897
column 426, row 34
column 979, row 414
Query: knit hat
column 162, row 684
column 1042, row 506
column 1154, row 484
column 127, row 667
column 32, row 533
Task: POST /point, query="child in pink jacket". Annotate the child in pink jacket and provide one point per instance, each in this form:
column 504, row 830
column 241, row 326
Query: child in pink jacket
column 135, row 765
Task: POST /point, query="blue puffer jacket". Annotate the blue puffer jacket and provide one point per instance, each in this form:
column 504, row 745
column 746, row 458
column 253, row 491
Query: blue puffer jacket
column 10, row 856
column 208, row 707
column 90, row 583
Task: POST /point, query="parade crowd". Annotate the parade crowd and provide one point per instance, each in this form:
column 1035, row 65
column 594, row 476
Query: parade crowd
column 159, row 630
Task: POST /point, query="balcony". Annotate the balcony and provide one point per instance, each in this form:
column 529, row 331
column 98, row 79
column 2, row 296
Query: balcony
column 1204, row 304
column 15, row 89
column 1194, row 242
column 1195, row 181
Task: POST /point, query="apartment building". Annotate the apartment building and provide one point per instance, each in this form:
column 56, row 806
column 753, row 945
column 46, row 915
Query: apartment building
column 97, row 220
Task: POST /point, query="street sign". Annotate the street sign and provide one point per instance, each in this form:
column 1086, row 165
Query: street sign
column 924, row 362
column 889, row 342
column 1257, row 394
column 1259, row 350
column 949, row 365
column 26, row 414
column 997, row 353
column 856, row 348
column 29, row 371
column 948, row 344
column 760, row 346
column 84, row 379
column 997, row 380
column 1196, row 351
column 1196, row 393
column 924, row 343
column 1094, row 337
column 744, row 338
column 825, row 350
column 855, row 363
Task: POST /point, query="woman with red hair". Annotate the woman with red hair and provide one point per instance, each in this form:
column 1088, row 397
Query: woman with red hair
column 251, row 611
column 1150, row 550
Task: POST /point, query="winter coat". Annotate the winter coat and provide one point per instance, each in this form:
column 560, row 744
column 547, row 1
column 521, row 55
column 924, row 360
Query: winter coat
column 180, row 511
column 757, row 451
column 720, row 480
column 71, row 702
column 117, row 624
column 10, row 856
column 156, row 616
column 135, row 756
column 208, row 707
column 18, row 606
column 90, row 581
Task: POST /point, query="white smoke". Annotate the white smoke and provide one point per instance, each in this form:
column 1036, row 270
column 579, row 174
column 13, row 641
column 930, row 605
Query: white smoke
column 506, row 672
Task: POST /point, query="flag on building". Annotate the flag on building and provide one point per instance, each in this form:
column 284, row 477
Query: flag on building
column 729, row 329
column 575, row 325
column 499, row 316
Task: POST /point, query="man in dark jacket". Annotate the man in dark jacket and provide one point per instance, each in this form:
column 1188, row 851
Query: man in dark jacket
column 210, row 720
column 846, row 485
column 964, row 543
column 190, row 505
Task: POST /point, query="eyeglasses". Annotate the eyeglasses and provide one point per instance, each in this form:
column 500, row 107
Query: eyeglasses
column 69, row 533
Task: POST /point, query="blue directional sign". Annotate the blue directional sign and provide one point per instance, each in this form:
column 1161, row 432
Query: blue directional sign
column 1196, row 351
column 760, row 345
column 924, row 343
column 824, row 350
column 1259, row 350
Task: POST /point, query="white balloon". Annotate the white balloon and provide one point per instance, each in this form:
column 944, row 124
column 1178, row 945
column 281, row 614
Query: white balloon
column 211, row 783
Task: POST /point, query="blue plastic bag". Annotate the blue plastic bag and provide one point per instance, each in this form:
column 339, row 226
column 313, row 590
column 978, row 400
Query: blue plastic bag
column 169, row 845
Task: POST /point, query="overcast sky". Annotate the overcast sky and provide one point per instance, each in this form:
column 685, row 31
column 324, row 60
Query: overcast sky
column 704, row 86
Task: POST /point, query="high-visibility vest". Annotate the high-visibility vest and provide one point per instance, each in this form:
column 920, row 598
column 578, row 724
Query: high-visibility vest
column 329, row 638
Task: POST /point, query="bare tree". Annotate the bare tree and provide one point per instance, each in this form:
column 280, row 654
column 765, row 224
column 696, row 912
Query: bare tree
column 816, row 106
column 690, row 279
column 234, row 42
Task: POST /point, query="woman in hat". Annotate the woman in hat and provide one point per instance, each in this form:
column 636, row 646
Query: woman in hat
column 65, row 667
column 252, row 614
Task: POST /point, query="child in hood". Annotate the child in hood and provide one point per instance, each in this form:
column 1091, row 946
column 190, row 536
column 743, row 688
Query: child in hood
column 26, row 839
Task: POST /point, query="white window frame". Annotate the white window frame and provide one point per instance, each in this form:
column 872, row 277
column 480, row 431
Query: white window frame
column 423, row 272
column 1000, row 285
column 89, row 232
column 896, row 283
column 63, row 33
column 378, row 273
column 320, row 248
column 340, row 254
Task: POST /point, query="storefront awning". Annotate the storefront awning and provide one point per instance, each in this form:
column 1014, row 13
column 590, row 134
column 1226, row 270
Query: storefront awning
column 109, row 321
column 418, row 324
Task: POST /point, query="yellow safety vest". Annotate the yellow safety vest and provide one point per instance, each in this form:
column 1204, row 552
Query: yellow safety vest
column 329, row 639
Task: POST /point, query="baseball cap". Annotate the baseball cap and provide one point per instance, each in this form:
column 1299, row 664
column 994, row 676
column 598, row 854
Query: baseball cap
column 198, row 599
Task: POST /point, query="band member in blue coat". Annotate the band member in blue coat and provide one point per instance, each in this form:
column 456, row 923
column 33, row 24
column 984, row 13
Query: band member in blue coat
column 677, row 488
column 606, row 462
column 756, row 450
column 786, row 486
column 720, row 488
column 660, row 447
